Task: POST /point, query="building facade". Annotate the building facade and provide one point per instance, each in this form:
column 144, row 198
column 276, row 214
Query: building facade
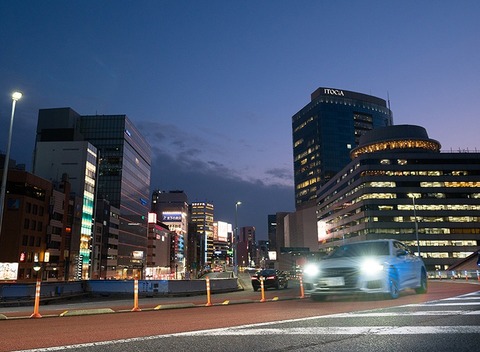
column 76, row 160
column 23, row 240
column 172, row 209
column 325, row 131
column 201, row 215
column 399, row 185
column 160, row 257
column 124, row 161
column 105, row 241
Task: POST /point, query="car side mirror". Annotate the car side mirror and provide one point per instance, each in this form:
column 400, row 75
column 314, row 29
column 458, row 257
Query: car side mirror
column 401, row 252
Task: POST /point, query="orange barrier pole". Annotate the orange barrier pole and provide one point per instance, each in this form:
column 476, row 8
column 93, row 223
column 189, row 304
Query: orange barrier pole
column 36, row 307
column 302, row 292
column 262, row 287
column 135, row 296
column 209, row 303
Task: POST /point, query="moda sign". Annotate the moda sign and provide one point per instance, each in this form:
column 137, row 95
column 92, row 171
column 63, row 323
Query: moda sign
column 333, row 92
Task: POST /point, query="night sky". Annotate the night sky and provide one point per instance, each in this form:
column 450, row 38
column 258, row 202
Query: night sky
column 213, row 84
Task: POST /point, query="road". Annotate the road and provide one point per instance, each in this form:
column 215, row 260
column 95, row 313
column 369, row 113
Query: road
column 445, row 319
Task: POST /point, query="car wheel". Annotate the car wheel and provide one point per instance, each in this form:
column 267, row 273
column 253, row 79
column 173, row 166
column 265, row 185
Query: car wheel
column 423, row 283
column 318, row 298
column 255, row 288
column 277, row 285
column 285, row 285
column 393, row 289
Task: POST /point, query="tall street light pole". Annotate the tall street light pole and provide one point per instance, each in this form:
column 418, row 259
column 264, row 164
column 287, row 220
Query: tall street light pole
column 15, row 96
column 235, row 241
column 413, row 196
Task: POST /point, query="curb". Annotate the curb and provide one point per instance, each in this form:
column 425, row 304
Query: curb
column 68, row 313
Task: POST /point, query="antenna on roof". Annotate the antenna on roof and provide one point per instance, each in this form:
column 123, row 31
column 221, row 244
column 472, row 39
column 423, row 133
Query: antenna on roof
column 389, row 109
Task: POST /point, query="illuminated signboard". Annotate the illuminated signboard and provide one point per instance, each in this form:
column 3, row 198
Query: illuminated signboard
column 152, row 218
column 8, row 271
column 272, row 255
column 171, row 216
column 222, row 231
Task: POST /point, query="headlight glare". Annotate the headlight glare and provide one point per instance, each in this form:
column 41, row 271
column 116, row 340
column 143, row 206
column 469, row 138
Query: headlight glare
column 371, row 266
column 311, row 270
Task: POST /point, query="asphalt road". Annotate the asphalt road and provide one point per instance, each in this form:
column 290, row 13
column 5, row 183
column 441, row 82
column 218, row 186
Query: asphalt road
column 447, row 318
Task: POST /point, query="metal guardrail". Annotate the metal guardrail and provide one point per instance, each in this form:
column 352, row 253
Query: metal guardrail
column 455, row 274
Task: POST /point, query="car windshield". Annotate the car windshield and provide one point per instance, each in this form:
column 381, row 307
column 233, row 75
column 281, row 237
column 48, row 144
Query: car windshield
column 360, row 250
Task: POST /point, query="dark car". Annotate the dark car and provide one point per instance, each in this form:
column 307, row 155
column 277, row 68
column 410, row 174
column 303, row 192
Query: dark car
column 271, row 279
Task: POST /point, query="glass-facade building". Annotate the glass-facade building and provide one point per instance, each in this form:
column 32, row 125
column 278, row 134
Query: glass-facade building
column 201, row 214
column 124, row 180
column 324, row 133
column 399, row 185
column 124, row 163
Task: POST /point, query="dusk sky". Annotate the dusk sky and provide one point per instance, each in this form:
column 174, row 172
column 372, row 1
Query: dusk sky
column 213, row 84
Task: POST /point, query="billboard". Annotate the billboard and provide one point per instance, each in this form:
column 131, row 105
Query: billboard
column 223, row 228
column 171, row 216
column 8, row 271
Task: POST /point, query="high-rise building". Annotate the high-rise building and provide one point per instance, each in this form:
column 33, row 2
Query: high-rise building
column 105, row 241
column 222, row 250
column 399, row 185
column 172, row 210
column 247, row 246
column 123, row 173
column 160, row 262
column 77, row 160
column 324, row 133
column 201, row 215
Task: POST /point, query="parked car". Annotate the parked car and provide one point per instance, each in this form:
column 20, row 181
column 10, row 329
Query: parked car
column 272, row 278
column 378, row 267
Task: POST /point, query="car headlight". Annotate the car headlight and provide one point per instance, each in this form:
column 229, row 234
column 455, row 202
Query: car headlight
column 311, row 270
column 371, row 266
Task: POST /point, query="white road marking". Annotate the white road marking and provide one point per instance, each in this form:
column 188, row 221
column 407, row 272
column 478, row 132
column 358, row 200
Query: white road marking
column 397, row 314
column 342, row 330
column 252, row 329
column 441, row 304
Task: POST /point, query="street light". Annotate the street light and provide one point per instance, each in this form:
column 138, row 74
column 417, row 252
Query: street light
column 413, row 196
column 235, row 241
column 15, row 96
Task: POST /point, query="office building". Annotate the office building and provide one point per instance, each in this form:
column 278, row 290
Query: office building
column 324, row 133
column 105, row 240
column 160, row 262
column 247, row 247
column 76, row 160
column 399, row 185
column 201, row 215
column 172, row 209
column 222, row 245
column 123, row 173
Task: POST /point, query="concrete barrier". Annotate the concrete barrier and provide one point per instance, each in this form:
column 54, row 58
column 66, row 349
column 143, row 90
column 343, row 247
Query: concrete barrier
column 55, row 290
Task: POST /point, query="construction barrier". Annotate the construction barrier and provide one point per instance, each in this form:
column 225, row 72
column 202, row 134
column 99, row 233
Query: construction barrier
column 209, row 302
column 135, row 297
column 262, row 287
column 36, row 306
column 302, row 292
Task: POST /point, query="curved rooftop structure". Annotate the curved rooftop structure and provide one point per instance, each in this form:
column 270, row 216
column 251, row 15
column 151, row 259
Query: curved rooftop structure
column 396, row 138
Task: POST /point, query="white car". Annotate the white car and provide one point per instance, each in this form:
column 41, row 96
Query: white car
column 378, row 266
